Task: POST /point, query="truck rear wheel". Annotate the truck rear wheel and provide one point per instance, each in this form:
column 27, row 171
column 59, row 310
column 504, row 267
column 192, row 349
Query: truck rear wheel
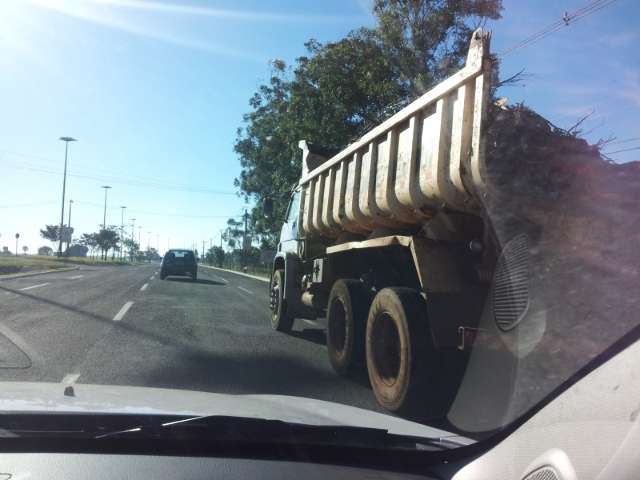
column 399, row 351
column 280, row 318
column 346, row 321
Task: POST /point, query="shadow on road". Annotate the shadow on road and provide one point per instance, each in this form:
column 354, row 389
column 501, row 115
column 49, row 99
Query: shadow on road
column 314, row 335
column 201, row 281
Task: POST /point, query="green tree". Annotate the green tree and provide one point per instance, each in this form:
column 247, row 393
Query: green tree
column 89, row 240
column 234, row 233
column 218, row 255
column 51, row 233
column 45, row 251
column 132, row 247
column 107, row 239
column 427, row 40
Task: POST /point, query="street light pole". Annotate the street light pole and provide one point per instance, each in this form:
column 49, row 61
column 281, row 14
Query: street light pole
column 122, row 208
column 69, row 223
column 66, row 141
column 104, row 216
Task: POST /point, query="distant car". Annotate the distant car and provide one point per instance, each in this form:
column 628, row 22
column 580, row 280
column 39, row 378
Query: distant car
column 179, row 262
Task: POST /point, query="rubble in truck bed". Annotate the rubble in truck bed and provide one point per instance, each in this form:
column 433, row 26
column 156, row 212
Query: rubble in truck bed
column 582, row 215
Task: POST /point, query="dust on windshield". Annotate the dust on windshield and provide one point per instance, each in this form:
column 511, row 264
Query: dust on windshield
column 423, row 209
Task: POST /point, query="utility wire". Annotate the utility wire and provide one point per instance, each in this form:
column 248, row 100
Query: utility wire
column 152, row 183
column 163, row 214
column 623, row 150
column 565, row 21
column 28, row 205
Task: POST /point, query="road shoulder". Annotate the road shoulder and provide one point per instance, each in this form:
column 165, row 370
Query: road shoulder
column 266, row 280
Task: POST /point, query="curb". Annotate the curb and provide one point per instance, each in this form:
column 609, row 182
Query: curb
column 33, row 274
column 262, row 279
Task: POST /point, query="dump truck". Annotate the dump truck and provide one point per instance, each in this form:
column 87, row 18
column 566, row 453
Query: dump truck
column 388, row 240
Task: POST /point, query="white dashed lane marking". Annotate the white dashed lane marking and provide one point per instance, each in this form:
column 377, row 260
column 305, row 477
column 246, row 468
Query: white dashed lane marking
column 123, row 311
column 35, row 286
column 76, row 277
column 144, row 287
column 246, row 291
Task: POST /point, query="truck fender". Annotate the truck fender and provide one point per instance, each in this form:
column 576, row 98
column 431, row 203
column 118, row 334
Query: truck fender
column 289, row 262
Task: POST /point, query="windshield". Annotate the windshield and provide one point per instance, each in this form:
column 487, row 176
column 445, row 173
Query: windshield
column 413, row 216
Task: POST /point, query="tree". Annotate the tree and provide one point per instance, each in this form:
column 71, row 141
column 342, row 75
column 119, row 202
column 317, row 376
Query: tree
column 340, row 90
column 89, row 240
column 216, row 254
column 234, row 233
column 51, row 233
column 427, row 40
column 45, row 251
column 106, row 239
column 151, row 254
column 132, row 247
column 25, row 249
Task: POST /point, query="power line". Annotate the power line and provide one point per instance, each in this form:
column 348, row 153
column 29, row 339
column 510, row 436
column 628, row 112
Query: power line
column 163, row 214
column 623, row 150
column 565, row 21
column 152, row 183
column 28, row 205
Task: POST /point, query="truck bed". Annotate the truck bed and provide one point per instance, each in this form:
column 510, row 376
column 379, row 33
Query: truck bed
column 424, row 158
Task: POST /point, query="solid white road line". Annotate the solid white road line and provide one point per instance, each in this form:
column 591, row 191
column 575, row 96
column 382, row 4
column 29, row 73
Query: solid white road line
column 70, row 378
column 75, row 277
column 17, row 340
column 123, row 311
column 245, row 290
column 144, row 287
column 35, row 286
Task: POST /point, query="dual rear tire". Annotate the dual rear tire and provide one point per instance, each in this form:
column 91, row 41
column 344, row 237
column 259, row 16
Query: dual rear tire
column 391, row 335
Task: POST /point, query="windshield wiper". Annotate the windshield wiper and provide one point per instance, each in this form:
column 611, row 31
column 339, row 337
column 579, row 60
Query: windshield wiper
column 256, row 430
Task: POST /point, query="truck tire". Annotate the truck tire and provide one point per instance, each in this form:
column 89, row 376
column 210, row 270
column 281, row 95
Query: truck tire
column 280, row 318
column 400, row 352
column 346, row 322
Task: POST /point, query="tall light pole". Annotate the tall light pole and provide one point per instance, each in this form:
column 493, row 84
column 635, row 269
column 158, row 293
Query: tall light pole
column 139, row 235
column 104, row 215
column 66, row 141
column 122, row 209
column 148, row 241
column 69, row 222
column 133, row 226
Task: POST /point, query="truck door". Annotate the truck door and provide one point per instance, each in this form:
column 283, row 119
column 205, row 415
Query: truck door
column 289, row 232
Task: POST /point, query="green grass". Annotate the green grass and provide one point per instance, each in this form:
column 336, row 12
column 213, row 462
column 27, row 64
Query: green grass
column 36, row 262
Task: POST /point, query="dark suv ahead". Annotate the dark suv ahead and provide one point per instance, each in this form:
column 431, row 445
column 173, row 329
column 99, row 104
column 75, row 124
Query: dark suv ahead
column 179, row 262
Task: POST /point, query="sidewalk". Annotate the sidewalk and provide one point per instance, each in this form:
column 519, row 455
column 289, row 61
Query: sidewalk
column 37, row 272
column 255, row 277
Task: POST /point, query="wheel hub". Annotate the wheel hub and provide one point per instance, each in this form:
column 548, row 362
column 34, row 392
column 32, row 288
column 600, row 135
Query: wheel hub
column 386, row 348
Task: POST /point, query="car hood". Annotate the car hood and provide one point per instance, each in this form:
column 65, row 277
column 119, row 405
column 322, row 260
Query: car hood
column 39, row 397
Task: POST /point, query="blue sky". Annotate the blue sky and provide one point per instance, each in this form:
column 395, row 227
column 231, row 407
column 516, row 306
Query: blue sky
column 154, row 92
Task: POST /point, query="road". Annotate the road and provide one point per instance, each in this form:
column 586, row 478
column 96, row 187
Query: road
column 125, row 326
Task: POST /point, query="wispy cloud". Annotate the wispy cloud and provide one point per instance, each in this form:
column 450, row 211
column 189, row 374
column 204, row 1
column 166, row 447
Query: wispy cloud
column 222, row 13
column 631, row 88
column 81, row 11
column 620, row 39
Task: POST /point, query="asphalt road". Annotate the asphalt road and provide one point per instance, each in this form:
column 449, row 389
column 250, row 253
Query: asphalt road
column 125, row 326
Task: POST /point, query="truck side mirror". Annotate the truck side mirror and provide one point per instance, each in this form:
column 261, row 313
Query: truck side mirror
column 267, row 207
